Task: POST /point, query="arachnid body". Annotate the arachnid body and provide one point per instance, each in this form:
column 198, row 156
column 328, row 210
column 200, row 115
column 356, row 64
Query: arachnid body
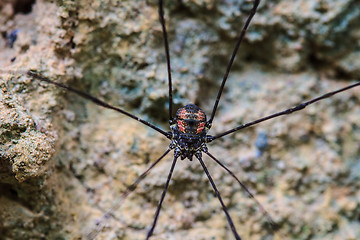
column 303, row 169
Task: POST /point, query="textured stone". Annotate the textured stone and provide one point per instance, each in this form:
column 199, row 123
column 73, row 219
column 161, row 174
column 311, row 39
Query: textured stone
column 65, row 161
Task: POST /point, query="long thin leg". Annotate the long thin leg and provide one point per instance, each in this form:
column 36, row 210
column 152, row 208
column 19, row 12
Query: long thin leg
column 120, row 200
column 89, row 97
column 237, row 237
column 166, row 45
column 264, row 212
column 241, row 36
column 162, row 198
column 287, row 111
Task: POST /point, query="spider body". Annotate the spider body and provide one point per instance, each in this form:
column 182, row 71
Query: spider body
column 189, row 131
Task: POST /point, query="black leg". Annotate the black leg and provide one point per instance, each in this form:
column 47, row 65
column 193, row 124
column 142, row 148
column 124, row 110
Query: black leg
column 89, row 97
column 117, row 204
column 241, row 36
column 162, row 198
column 236, row 235
column 166, row 45
column 264, row 212
column 287, row 111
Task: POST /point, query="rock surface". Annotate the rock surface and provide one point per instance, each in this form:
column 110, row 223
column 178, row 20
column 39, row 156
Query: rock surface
column 64, row 161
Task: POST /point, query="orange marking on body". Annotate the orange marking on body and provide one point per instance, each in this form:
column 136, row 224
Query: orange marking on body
column 182, row 114
column 181, row 126
column 200, row 116
column 200, row 127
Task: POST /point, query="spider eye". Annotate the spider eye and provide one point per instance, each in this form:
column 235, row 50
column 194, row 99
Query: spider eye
column 192, row 123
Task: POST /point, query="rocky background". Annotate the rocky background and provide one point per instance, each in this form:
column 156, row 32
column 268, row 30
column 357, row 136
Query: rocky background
column 65, row 161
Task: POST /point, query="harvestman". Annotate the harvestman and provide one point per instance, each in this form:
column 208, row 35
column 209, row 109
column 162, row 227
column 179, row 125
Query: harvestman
column 189, row 129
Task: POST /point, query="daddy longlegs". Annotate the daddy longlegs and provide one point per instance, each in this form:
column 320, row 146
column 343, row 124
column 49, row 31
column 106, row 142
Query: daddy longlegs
column 188, row 133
